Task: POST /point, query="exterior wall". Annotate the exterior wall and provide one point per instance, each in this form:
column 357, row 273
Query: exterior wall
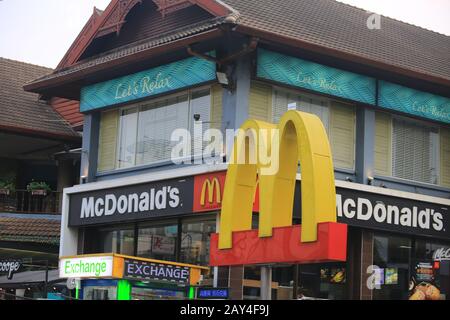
column 360, row 136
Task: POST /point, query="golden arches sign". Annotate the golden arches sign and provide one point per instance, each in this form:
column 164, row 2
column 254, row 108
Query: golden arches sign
column 302, row 138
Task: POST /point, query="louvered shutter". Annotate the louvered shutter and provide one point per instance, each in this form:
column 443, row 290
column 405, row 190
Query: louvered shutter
column 412, row 152
column 216, row 106
column 200, row 103
column 260, row 101
column 445, row 157
column 109, row 123
column 383, row 144
column 342, row 134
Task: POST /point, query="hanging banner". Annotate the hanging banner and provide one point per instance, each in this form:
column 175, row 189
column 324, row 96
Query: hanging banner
column 162, row 79
column 316, row 77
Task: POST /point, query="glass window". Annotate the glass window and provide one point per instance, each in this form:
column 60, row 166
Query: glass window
column 100, row 293
column 195, row 241
column 392, row 256
column 322, row 281
column 118, row 241
column 429, row 275
column 145, row 131
column 200, row 105
column 415, row 151
column 285, row 100
column 157, row 121
column 158, row 242
column 127, row 138
column 339, row 120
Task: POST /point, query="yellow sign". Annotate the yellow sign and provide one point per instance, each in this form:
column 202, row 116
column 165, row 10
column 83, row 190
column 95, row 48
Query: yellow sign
column 302, row 138
column 209, row 187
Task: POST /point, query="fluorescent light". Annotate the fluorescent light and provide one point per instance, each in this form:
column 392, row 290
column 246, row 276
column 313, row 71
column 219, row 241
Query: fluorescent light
column 222, row 78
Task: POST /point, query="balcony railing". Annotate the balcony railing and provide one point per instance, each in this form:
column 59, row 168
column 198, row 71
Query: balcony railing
column 22, row 201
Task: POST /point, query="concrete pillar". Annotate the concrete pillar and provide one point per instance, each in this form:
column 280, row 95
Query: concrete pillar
column 266, row 283
column 89, row 155
column 236, row 103
column 365, row 144
column 366, row 293
column 65, row 177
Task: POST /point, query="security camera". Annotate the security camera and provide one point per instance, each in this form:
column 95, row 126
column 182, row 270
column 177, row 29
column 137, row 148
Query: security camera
column 197, row 117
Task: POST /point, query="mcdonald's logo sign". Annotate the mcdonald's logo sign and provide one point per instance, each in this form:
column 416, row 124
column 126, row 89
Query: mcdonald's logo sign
column 208, row 192
column 301, row 138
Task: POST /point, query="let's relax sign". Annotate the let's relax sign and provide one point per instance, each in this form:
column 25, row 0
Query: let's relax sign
column 162, row 79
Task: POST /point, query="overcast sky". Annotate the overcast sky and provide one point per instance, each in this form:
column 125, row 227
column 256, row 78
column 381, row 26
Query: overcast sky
column 40, row 31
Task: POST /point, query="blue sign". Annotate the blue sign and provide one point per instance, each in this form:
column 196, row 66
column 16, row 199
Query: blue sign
column 213, row 293
column 317, row 77
column 418, row 103
column 162, row 79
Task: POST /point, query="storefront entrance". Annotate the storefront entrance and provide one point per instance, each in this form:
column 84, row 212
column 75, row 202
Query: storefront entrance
column 119, row 277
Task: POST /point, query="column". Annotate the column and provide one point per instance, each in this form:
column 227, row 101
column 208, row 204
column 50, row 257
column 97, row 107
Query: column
column 365, row 144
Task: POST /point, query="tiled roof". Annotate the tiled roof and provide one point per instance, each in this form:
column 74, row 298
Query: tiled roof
column 23, row 110
column 339, row 26
column 30, row 230
column 323, row 23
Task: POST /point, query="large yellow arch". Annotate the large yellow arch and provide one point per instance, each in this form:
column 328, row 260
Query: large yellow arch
column 302, row 138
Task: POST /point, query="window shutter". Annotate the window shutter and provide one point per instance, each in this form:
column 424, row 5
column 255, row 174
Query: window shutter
column 383, row 144
column 109, row 123
column 280, row 105
column 260, row 101
column 445, row 157
column 342, row 134
column 216, row 106
column 412, row 152
column 200, row 104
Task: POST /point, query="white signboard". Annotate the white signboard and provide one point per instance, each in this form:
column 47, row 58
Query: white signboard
column 442, row 254
column 89, row 267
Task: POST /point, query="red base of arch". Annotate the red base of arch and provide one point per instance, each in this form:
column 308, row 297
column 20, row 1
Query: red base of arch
column 283, row 247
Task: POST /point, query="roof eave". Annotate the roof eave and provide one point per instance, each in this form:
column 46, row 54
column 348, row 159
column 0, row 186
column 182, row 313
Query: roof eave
column 293, row 42
column 41, row 133
column 43, row 86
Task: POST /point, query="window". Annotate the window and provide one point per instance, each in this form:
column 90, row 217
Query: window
column 411, row 149
column 391, row 254
column 141, row 134
column 339, row 120
column 415, row 151
column 158, row 242
column 195, row 241
column 117, row 241
column 284, row 100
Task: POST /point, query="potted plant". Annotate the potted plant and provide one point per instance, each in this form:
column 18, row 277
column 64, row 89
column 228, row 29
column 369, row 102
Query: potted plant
column 38, row 188
column 7, row 187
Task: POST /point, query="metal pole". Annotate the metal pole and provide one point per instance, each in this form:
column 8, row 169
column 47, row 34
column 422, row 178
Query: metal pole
column 266, row 283
column 216, row 269
column 46, row 280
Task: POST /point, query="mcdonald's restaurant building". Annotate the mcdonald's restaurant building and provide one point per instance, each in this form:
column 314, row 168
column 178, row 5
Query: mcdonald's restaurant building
column 141, row 69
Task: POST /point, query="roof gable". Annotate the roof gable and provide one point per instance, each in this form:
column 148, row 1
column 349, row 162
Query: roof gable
column 113, row 19
column 144, row 21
